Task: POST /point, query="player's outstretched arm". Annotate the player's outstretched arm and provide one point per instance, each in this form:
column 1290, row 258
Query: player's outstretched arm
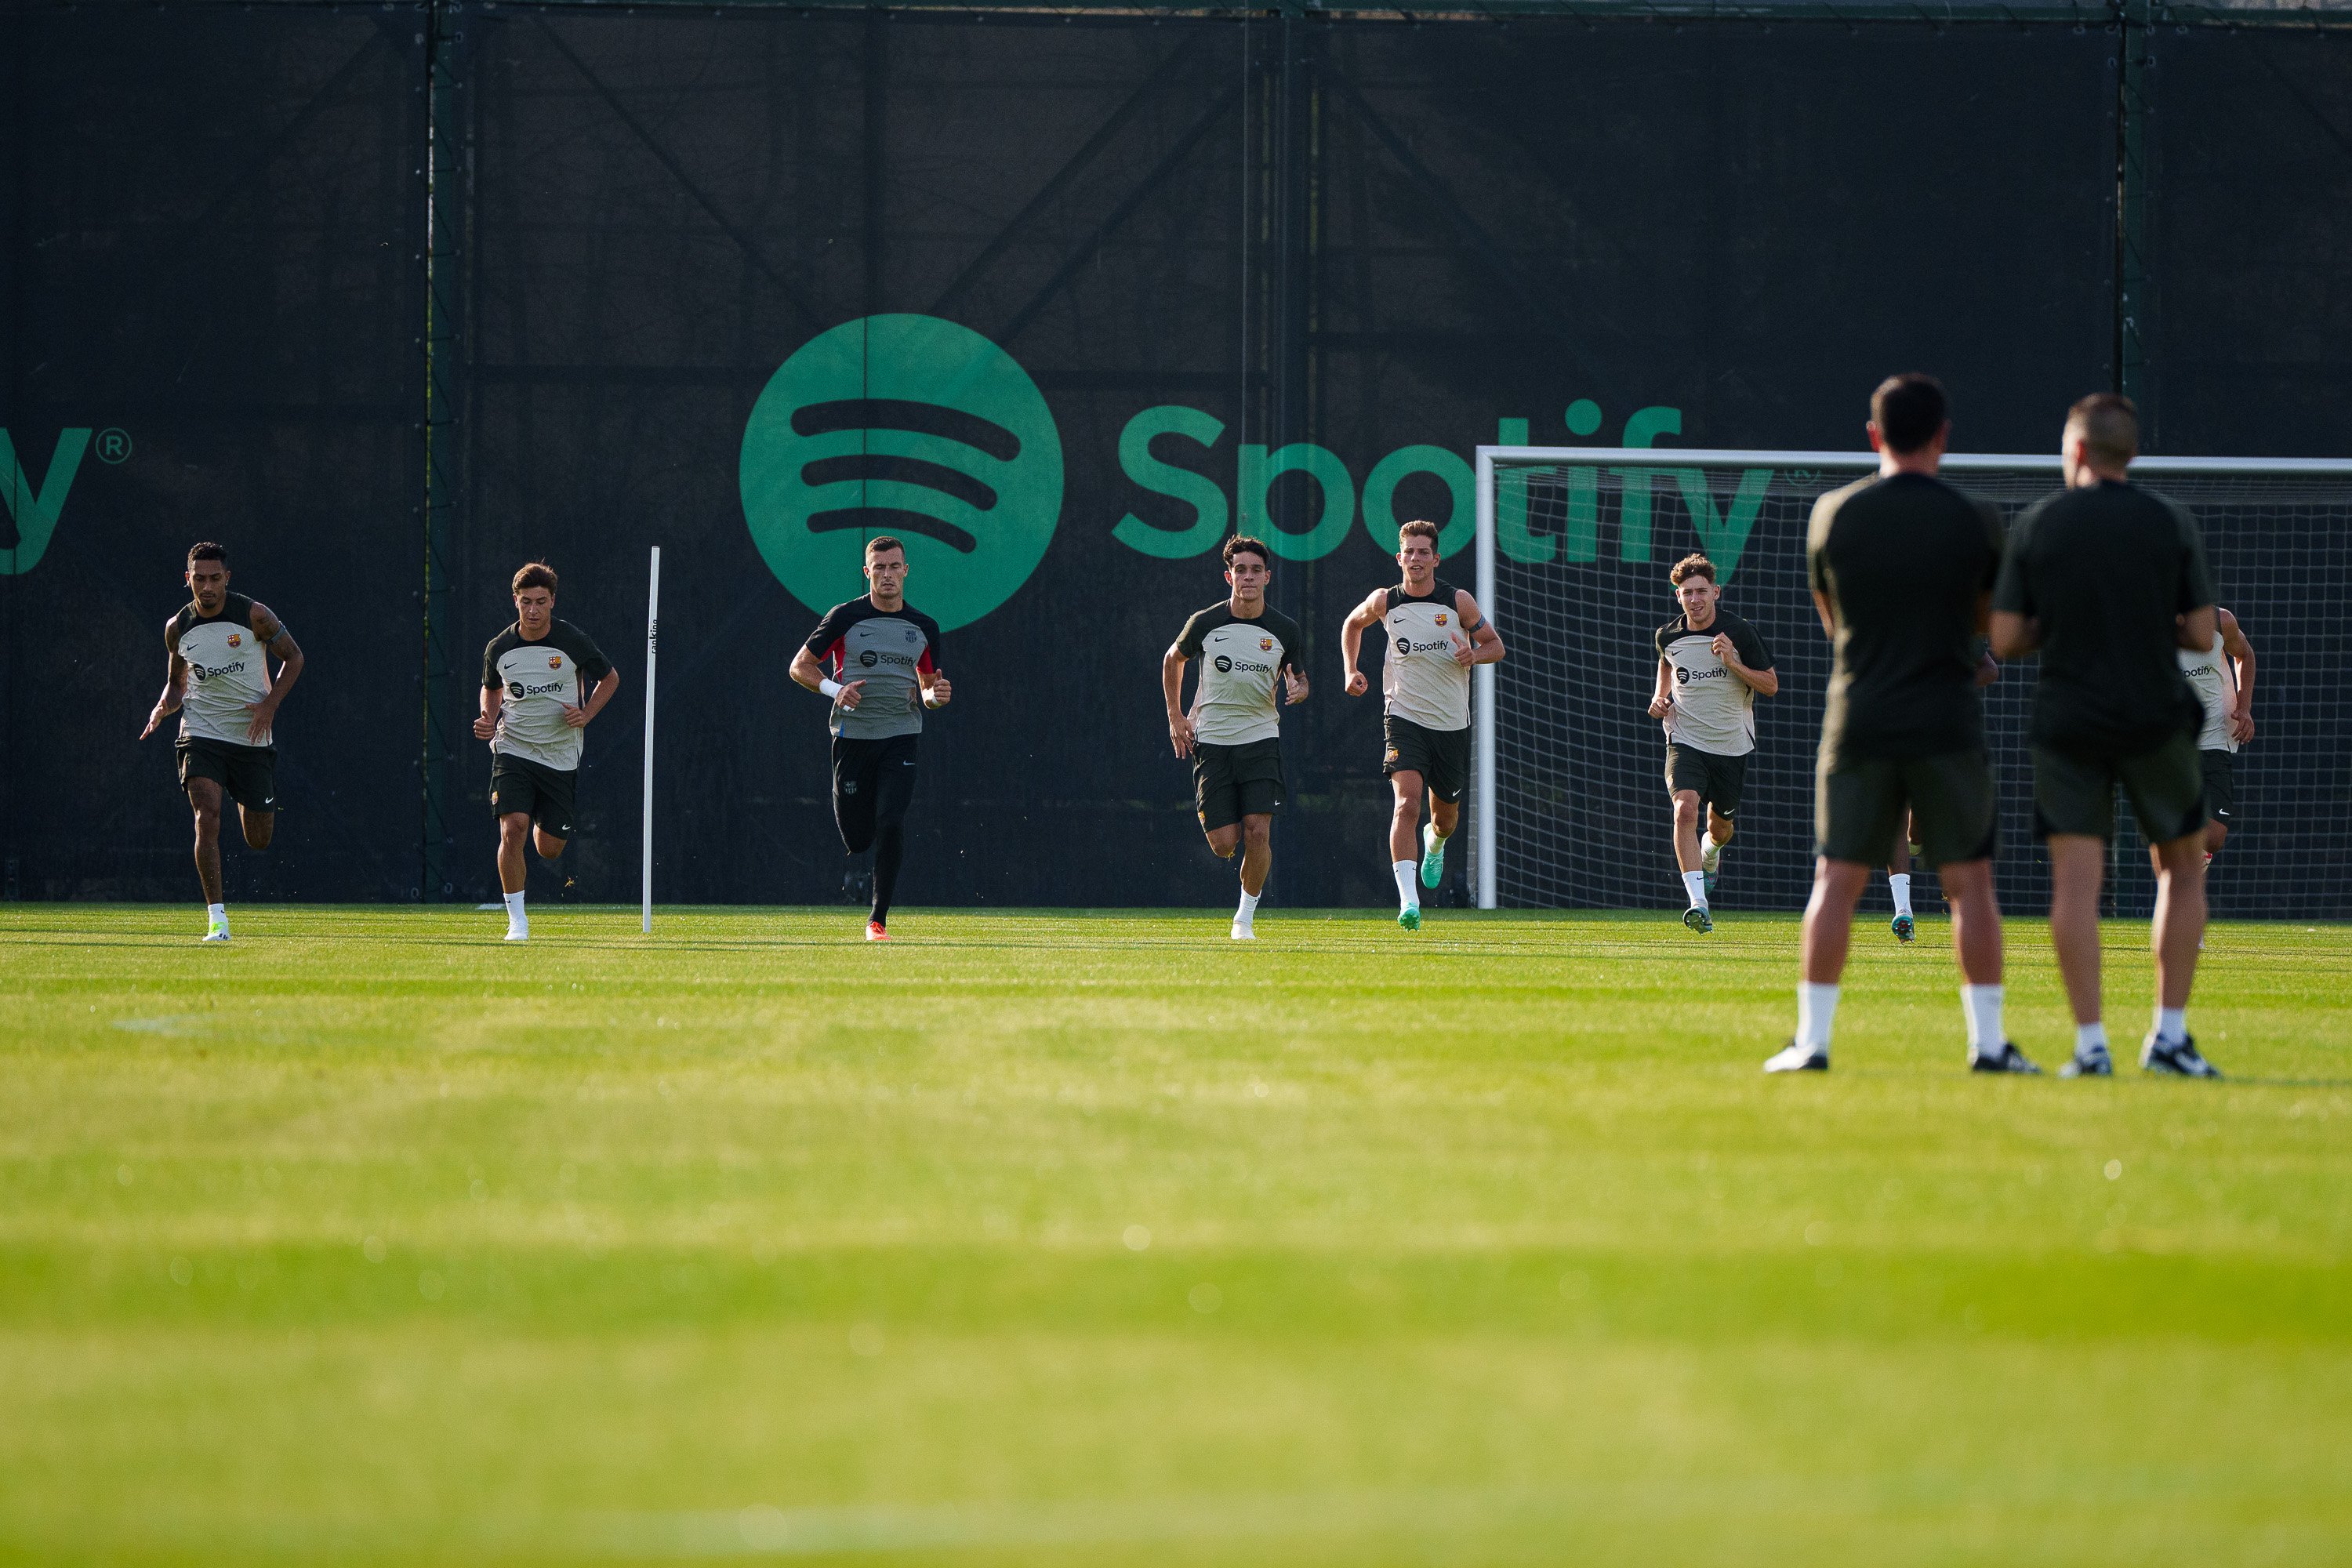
column 1351, row 639
column 176, row 690
column 1485, row 644
column 275, row 641
column 1171, row 687
column 2240, row 655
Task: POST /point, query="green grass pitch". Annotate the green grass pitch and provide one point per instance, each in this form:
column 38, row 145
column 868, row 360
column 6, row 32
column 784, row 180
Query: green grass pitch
column 1066, row 1239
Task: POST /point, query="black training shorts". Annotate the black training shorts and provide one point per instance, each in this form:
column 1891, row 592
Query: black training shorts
column 1442, row 757
column 547, row 795
column 2221, row 771
column 873, row 783
column 2075, row 792
column 247, row 774
column 1954, row 806
column 1230, row 783
column 1717, row 780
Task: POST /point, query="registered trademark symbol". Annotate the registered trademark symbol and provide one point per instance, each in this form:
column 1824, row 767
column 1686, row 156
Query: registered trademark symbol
column 113, row 445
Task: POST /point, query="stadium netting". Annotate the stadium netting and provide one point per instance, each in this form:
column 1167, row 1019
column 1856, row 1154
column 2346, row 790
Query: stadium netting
column 1574, row 547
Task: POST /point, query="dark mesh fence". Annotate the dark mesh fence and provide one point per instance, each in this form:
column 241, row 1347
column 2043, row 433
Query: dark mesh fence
column 1280, row 274
column 212, row 221
column 1583, row 815
column 2251, row 211
column 1367, row 240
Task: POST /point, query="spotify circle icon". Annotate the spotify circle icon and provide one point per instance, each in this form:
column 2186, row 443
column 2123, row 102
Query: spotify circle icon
column 912, row 426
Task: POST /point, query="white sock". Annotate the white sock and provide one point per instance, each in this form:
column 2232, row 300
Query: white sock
column 1816, row 1008
column 2090, row 1036
column 2172, row 1023
column 514, row 910
column 217, row 914
column 1710, row 853
column 1248, row 910
column 1899, row 884
column 1408, row 881
column 1982, row 1005
column 1695, row 884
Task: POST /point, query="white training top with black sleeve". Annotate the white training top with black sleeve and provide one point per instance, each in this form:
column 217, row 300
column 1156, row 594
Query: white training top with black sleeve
column 541, row 680
column 1420, row 680
column 1714, row 710
column 2215, row 681
column 229, row 671
column 1241, row 660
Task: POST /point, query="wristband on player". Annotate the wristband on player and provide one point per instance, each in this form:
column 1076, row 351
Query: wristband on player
column 930, row 700
column 829, row 687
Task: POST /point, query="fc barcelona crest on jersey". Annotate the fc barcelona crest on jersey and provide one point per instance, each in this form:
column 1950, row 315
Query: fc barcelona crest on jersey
column 236, row 639
column 555, row 661
column 1440, row 617
column 1265, row 645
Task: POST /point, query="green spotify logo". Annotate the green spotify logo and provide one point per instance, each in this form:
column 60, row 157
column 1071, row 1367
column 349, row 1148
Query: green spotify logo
column 907, row 425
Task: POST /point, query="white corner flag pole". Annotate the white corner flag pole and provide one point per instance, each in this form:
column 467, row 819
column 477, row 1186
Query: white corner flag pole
column 652, row 631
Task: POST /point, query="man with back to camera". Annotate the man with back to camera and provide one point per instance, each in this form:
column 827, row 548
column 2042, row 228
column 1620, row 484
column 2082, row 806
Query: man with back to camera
column 886, row 673
column 1436, row 633
column 1233, row 732
column 226, row 743
column 543, row 681
column 1903, row 567
column 2109, row 582
column 1712, row 667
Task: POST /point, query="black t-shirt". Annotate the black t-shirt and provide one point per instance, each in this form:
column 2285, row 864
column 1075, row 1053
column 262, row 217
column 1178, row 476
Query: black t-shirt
column 2106, row 570
column 1905, row 560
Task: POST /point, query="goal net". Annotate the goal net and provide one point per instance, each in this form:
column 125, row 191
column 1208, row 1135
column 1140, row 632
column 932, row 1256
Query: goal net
column 1570, row 805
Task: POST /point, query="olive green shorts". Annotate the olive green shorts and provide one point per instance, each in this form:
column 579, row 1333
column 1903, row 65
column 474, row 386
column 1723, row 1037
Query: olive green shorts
column 2075, row 792
column 1858, row 809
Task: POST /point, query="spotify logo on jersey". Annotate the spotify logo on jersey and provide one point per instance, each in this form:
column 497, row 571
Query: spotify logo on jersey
column 907, row 425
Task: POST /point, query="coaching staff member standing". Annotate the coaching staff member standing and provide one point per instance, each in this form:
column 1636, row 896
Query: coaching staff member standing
column 2108, row 582
column 1903, row 567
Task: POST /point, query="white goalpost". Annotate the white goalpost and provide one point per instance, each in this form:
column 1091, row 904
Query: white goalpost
column 1567, row 806
column 653, row 636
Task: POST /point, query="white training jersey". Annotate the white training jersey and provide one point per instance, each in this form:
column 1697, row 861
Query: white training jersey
column 1420, row 681
column 2215, row 681
column 229, row 671
column 540, row 679
column 1714, row 710
column 1241, row 665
